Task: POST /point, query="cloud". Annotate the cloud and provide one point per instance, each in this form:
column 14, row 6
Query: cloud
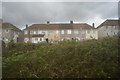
column 22, row 13
column 60, row 0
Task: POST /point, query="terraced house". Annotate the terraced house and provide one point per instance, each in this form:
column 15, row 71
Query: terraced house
column 10, row 32
column 55, row 32
column 109, row 28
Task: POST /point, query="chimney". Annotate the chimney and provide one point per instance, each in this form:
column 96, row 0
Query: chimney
column 48, row 22
column 26, row 26
column 93, row 25
column 71, row 22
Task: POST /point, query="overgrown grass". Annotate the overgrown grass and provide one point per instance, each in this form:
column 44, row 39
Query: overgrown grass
column 66, row 59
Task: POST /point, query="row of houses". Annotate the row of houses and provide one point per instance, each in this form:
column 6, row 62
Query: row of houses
column 57, row 32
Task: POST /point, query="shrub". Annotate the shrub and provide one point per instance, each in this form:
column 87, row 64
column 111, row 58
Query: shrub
column 66, row 59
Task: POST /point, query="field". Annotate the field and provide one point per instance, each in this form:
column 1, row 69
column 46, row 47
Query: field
column 65, row 59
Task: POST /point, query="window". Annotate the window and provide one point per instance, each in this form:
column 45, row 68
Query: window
column 67, row 38
column 36, row 39
column 94, row 31
column 6, row 39
column 7, row 30
column 62, row 39
column 14, row 33
column 114, row 33
column 88, row 31
column 57, row 32
column 43, row 32
column 114, row 27
column 52, row 39
column 25, row 32
column 40, row 39
column 18, row 33
column 83, row 32
column 76, row 32
column 106, row 27
column 78, row 38
column 69, row 31
column 35, row 32
column 31, row 32
column 62, row 31
column 39, row 32
column 26, row 39
column 50, row 32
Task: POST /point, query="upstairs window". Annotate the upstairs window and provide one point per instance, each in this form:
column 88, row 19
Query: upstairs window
column 57, row 32
column 50, row 32
column 94, row 31
column 76, row 32
column 114, row 27
column 6, row 30
column 25, row 32
column 69, row 31
column 62, row 31
column 31, row 32
column 43, row 32
column 106, row 27
column 35, row 32
column 88, row 31
column 83, row 32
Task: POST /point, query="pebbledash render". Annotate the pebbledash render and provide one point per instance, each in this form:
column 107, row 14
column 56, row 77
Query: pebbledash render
column 109, row 27
column 10, row 32
column 57, row 32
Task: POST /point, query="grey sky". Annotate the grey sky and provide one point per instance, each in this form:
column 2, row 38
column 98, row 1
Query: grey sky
column 22, row 13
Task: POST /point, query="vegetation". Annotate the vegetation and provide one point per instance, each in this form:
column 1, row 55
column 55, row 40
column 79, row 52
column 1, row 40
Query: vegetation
column 65, row 59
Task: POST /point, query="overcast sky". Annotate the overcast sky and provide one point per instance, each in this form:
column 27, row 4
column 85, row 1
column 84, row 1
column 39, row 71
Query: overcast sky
column 22, row 13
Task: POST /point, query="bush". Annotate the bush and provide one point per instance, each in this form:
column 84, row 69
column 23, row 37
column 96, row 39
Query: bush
column 66, row 59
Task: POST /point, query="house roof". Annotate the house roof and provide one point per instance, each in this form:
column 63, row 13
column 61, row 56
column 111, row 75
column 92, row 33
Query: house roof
column 10, row 26
column 109, row 23
column 58, row 26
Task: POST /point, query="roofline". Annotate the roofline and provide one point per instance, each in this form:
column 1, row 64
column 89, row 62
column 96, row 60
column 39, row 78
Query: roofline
column 12, row 25
column 107, row 20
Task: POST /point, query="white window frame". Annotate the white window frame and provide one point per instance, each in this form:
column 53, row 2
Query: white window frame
column 83, row 32
column 78, row 38
column 62, row 32
column 26, row 39
column 76, row 32
column 57, row 31
column 35, row 32
column 25, row 32
column 31, row 32
column 6, row 30
column 88, row 31
column 50, row 32
column 69, row 31
column 36, row 39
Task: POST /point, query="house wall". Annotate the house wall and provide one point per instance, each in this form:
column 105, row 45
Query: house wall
column 37, row 39
column 92, row 34
column 107, row 31
column 53, row 35
column 10, row 35
column 80, row 34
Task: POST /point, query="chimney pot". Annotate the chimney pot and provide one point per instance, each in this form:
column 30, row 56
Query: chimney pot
column 26, row 26
column 71, row 22
column 93, row 25
column 48, row 22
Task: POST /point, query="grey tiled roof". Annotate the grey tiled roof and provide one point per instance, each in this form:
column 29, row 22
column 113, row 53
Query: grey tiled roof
column 59, row 26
